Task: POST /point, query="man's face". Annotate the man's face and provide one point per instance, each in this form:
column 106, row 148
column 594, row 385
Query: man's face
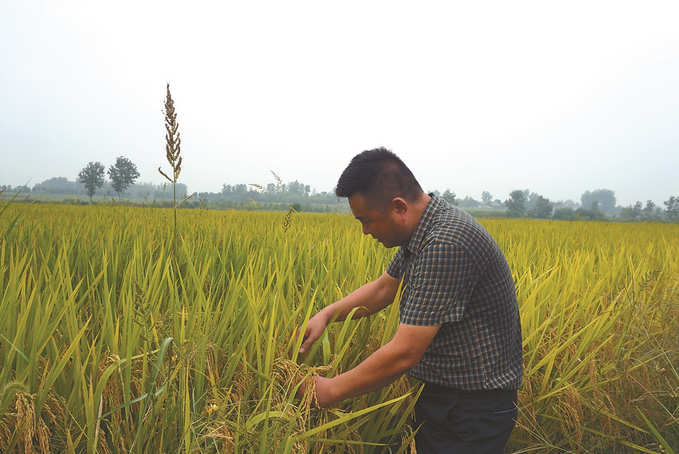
column 382, row 225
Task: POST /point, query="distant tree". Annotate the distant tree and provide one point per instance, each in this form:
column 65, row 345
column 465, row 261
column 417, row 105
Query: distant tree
column 122, row 174
column 564, row 214
column 469, row 202
column 531, row 199
column 272, row 189
column 297, row 188
column 658, row 213
column 649, row 210
column 632, row 212
column 672, row 208
column 516, row 204
column 636, row 210
column 449, row 197
column 595, row 206
column 604, row 197
column 141, row 190
column 568, row 203
column 181, row 189
column 590, row 215
column 542, row 209
column 56, row 183
column 92, row 176
column 486, row 197
column 59, row 185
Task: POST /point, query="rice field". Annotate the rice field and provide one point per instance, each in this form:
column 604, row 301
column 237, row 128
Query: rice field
column 113, row 341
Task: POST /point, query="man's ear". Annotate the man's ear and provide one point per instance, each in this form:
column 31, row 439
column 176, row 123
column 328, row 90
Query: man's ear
column 400, row 206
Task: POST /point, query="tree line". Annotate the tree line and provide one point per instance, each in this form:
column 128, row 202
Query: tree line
column 600, row 204
column 273, row 196
column 594, row 205
column 64, row 186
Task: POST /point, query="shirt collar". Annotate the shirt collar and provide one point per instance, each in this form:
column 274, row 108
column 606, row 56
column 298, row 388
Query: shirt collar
column 423, row 226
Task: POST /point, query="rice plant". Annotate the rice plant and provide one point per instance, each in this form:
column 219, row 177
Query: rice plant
column 112, row 342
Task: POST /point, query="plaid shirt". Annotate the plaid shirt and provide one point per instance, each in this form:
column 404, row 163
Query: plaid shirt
column 456, row 275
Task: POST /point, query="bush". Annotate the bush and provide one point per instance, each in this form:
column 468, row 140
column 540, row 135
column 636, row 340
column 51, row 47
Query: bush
column 564, row 214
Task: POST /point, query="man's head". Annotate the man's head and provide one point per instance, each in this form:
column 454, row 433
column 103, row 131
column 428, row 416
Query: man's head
column 384, row 195
column 379, row 176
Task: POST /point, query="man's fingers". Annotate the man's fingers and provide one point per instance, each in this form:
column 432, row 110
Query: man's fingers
column 313, row 331
column 308, row 342
column 305, row 339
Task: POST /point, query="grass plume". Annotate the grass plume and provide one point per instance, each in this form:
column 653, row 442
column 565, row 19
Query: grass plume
column 173, row 155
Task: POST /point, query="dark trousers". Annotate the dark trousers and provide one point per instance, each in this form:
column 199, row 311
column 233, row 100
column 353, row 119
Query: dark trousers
column 464, row 422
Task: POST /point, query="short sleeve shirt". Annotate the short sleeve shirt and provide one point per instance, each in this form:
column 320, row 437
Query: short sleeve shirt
column 455, row 274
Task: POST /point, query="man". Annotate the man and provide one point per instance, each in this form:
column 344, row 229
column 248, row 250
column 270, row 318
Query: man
column 459, row 328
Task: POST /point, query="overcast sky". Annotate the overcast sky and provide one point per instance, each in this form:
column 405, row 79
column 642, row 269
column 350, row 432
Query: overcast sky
column 555, row 97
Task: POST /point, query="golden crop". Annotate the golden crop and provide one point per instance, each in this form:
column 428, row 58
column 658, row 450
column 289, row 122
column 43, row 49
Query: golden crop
column 112, row 343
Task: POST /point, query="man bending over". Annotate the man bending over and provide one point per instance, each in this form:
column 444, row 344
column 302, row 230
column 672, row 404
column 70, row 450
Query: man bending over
column 459, row 328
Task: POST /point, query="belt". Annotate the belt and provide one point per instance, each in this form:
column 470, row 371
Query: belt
column 431, row 388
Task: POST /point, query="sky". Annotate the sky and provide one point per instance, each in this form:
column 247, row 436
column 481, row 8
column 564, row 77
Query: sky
column 555, row 97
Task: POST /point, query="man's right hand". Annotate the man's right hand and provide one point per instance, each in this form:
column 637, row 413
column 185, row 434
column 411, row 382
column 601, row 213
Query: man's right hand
column 313, row 331
column 369, row 299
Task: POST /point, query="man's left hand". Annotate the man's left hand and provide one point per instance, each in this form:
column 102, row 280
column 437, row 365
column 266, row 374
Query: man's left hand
column 323, row 395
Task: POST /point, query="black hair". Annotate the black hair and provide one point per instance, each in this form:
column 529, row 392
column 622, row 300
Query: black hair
column 379, row 176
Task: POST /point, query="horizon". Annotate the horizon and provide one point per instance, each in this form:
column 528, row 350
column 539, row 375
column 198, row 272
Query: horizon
column 254, row 187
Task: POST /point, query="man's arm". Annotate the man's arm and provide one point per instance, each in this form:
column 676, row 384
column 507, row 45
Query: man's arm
column 370, row 298
column 384, row 366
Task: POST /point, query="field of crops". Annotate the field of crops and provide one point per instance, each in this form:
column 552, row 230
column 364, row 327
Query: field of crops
column 112, row 341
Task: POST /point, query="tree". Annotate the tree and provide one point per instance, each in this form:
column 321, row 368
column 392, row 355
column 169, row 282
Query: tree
column 449, row 197
column 59, row 185
column 595, row 206
column 637, row 210
column 605, row 198
column 469, row 202
column 649, row 210
column 486, row 197
column 672, row 208
column 631, row 212
column 122, row 174
column 591, row 215
column 92, row 176
column 516, row 204
column 297, row 188
column 272, row 189
column 565, row 214
column 542, row 209
column 531, row 200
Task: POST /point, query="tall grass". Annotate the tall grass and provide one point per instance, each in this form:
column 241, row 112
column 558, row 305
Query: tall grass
column 599, row 308
column 109, row 344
